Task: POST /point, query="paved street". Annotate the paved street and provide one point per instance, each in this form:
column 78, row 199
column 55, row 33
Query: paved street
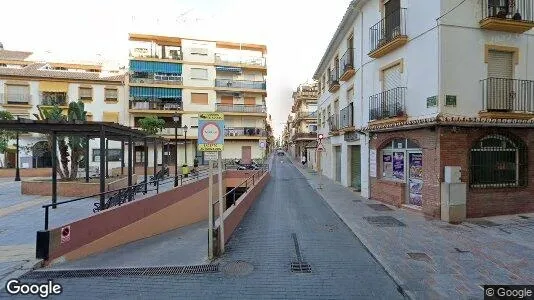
column 288, row 213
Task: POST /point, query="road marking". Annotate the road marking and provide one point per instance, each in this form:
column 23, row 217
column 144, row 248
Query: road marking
column 17, row 207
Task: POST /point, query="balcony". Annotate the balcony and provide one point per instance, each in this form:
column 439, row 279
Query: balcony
column 306, row 115
column 155, row 53
column 507, row 98
column 240, row 108
column 346, row 65
column 244, row 132
column 15, row 99
column 240, row 84
column 304, row 136
column 333, row 123
column 333, row 83
column 245, row 61
column 388, row 106
column 54, row 98
column 155, row 104
column 155, row 78
column 346, row 120
column 501, row 15
column 388, row 34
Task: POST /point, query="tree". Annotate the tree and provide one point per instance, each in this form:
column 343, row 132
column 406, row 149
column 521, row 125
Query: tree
column 152, row 124
column 5, row 136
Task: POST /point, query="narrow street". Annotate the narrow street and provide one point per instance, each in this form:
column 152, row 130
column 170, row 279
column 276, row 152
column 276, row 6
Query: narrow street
column 288, row 221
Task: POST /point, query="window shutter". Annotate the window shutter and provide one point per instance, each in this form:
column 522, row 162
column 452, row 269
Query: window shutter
column 392, row 78
column 227, row 100
column 500, row 64
column 199, row 98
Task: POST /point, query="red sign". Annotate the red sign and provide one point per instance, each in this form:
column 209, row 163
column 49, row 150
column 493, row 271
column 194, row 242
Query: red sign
column 65, row 234
column 320, row 147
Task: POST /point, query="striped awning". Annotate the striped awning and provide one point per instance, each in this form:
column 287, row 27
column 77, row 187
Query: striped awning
column 51, row 86
column 154, row 92
column 228, row 69
column 155, row 67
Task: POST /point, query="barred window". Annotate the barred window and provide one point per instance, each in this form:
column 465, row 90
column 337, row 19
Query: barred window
column 498, row 161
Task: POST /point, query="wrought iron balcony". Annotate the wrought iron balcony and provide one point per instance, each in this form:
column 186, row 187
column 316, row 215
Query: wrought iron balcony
column 221, row 58
column 21, row 99
column 155, row 51
column 508, row 95
column 388, row 104
column 142, row 103
column 346, row 65
column 155, row 78
column 306, row 115
column 333, row 122
column 506, row 15
column 244, row 131
column 241, row 108
column 240, row 84
column 304, row 136
column 346, row 117
column 333, row 82
column 388, row 34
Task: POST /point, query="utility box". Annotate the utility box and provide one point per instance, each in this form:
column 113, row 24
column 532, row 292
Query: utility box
column 453, row 174
column 453, row 202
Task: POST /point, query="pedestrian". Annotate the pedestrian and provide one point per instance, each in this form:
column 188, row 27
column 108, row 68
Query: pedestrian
column 303, row 159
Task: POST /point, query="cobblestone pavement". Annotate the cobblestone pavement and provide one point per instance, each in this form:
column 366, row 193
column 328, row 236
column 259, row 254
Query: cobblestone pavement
column 342, row 268
column 450, row 261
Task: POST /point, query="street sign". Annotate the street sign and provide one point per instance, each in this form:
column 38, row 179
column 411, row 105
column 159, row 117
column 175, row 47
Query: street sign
column 320, row 136
column 211, row 132
column 263, row 144
column 210, row 155
column 320, row 148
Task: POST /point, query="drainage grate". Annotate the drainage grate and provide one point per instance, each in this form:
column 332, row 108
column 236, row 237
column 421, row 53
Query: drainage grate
column 121, row 272
column 379, row 207
column 420, row 256
column 300, row 267
column 483, row 223
column 384, row 221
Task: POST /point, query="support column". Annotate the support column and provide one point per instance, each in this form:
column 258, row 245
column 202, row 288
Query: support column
column 107, row 160
column 87, row 158
column 145, row 156
column 122, row 160
column 102, row 166
column 54, row 168
column 155, row 156
column 130, row 167
column 17, row 168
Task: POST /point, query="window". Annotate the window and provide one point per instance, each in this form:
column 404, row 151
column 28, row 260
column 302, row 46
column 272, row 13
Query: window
column 498, row 161
column 17, row 94
column 86, row 93
column 395, row 158
column 194, row 122
column 199, row 51
column 113, row 155
column 54, row 98
column 250, row 101
column 111, row 94
column 199, row 98
column 198, row 73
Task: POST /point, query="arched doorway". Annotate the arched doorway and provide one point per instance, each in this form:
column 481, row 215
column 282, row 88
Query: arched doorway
column 42, row 158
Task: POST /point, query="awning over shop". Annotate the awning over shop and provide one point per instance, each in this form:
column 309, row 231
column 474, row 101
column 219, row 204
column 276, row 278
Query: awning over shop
column 155, row 92
column 155, row 67
column 228, row 69
column 50, row 86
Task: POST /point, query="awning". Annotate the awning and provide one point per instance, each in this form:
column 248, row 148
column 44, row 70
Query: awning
column 49, row 86
column 228, row 69
column 154, row 92
column 155, row 67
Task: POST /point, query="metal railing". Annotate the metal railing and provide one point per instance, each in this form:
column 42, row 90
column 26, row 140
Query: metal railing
column 304, row 135
column 518, row 10
column 240, row 108
column 346, row 116
column 389, row 28
column 333, row 80
column 7, row 98
column 241, row 84
column 155, row 78
column 245, row 60
column 306, row 114
column 503, row 94
column 347, row 61
column 155, row 104
column 333, row 122
column 244, row 131
column 157, row 52
column 248, row 183
column 387, row 104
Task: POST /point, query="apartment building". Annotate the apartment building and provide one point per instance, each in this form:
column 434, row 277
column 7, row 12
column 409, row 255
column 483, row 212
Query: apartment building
column 409, row 88
column 28, row 85
column 304, row 123
column 180, row 77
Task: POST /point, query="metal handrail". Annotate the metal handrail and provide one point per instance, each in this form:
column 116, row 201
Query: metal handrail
column 262, row 171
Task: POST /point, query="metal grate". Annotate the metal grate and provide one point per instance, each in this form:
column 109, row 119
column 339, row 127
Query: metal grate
column 121, row 272
column 379, row 207
column 384, row 221
column 300, row 267
column 483, row 223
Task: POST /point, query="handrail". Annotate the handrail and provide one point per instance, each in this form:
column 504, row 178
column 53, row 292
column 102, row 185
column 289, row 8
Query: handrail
column 261, row 172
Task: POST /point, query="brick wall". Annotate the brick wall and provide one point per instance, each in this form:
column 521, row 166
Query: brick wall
column 33, row 172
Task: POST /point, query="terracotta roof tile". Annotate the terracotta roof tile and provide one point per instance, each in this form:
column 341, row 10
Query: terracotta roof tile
column 13, row 55
column 34, row 70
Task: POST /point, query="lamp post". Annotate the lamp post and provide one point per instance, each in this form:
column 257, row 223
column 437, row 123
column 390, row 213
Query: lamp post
column 176, row 118
column 185, row 144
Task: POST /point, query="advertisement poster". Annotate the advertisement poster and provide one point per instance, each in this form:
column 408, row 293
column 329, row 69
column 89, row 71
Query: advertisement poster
column 387, row 165
column 372, row 162
column 416, row 165
column 415, row 161
column 398, row 165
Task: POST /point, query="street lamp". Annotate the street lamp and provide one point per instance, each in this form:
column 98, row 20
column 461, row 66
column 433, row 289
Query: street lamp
column 185, row 144
column 176, row 118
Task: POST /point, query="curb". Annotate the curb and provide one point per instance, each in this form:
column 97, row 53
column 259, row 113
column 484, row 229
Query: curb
column 20, row 270
column 400, row 283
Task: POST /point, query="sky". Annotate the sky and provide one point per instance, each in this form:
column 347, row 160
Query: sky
column 296, row 32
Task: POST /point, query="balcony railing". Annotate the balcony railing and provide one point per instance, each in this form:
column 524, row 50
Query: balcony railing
column 389, row 28
column 6, row 98
column 307, row 115
column 518, row 10
column 388, row 104
column 51, row 99
column 346, row 64
column 333, row 122
column 333, row 82
column 245, row 60
column 346, row 117
column 155, row 104
column 156, row 52
column 244, row 131
column 241, row 84
column 305, row 135
column 240, row 108
column 510, row 95
column 155, row 78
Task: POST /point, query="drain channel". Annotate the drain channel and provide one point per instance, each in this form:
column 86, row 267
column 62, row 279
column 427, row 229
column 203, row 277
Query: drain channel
column 299, row 266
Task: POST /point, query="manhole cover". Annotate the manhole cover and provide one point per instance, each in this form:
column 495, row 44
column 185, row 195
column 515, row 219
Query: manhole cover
column 238, row 268
column 379, row 207
column 419, row 256
column 483, row 223
column 384, row 221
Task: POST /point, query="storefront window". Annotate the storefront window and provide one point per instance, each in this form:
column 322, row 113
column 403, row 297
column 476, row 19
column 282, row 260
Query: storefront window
column 394, row 159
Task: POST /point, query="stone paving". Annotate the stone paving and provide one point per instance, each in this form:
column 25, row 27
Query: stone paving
column 451, row 261
column 263, row 244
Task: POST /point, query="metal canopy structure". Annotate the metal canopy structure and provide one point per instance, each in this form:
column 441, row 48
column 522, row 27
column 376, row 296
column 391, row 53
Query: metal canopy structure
column 88, row 129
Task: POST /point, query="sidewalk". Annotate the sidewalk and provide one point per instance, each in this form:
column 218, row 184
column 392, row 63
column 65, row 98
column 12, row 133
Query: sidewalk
column 431, row 259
